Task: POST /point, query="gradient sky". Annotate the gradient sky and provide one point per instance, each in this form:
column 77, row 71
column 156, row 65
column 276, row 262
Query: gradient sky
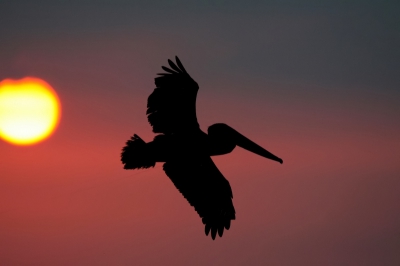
column 317, row 83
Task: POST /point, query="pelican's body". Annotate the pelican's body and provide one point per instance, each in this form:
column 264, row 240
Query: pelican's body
column 186, row 150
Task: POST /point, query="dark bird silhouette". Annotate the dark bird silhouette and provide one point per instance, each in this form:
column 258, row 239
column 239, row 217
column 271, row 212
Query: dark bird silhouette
column 187, row 150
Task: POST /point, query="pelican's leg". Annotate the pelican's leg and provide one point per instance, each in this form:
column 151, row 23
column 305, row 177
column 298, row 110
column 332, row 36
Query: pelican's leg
column 223, row 139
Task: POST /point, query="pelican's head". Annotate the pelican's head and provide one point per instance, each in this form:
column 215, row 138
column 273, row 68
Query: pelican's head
column 227, row 138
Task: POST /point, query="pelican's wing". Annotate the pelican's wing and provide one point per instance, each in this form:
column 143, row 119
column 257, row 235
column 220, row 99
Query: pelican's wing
column 206, row 189
column 172, row 105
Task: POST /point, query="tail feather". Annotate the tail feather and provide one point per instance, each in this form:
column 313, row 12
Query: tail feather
column 135, row 154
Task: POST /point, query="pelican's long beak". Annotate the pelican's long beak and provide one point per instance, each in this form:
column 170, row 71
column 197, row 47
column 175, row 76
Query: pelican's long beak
column 249, row 145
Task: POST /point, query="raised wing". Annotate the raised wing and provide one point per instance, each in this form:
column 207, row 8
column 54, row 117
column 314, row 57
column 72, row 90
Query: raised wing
column 206, row 189
column 171, row 108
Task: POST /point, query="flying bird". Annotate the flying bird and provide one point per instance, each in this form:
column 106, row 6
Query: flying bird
column 186, row 150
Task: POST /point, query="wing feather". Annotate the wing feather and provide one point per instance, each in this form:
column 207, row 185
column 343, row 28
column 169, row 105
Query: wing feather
column 174, row 67
column 171, row 108
column 180, row 64
column 168, row 70
column 206, row 189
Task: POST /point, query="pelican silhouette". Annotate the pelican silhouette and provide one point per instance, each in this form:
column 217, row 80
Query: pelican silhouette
column 186, row 150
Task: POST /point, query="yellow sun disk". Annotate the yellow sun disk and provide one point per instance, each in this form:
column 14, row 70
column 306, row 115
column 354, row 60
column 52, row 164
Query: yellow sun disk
column 29, row 111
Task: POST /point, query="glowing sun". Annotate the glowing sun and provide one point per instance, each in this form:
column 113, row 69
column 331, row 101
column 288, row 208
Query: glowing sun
column 29, row 110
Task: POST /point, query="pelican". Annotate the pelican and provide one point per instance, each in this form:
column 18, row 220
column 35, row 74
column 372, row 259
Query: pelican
column 186, row 150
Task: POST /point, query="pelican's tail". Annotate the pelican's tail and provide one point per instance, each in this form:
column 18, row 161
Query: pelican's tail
column 135, row 154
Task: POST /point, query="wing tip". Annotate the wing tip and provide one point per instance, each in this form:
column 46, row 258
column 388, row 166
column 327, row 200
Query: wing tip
column 179, row 63
column 173, row 66
column 177, row 68
column 216, row 227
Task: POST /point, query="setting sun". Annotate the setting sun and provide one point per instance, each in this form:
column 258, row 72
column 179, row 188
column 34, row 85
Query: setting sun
column 29, row 110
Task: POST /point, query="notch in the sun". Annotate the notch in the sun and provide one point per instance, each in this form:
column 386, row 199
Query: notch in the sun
column 29, row 110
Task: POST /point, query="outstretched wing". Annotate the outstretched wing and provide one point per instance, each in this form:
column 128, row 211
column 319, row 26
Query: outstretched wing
column 171, row 108
column 206, row 189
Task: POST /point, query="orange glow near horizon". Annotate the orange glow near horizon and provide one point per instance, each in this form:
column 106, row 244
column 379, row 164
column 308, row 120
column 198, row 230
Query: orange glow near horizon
column 29, row 110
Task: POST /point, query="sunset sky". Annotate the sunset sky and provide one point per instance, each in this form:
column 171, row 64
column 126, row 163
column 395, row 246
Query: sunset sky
column 315, row 82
